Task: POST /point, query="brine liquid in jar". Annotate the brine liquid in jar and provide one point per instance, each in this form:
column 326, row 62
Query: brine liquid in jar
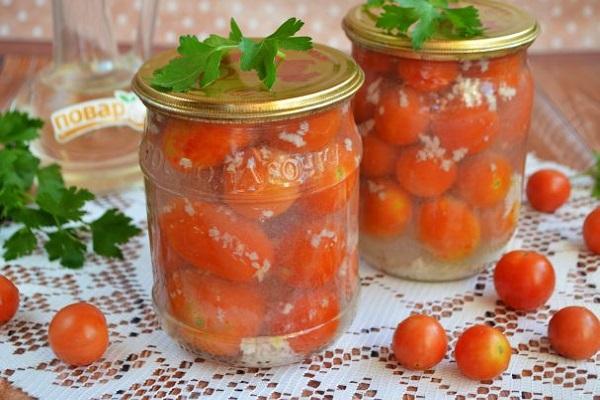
column 444, row 150
column 254, row 228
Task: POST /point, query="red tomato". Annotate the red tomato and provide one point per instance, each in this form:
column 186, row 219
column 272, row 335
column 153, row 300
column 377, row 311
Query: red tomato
column 591, row 231
column 499, row 222
column 428, row 76
column 212, row 238
column 499, row 70
column 78, row 334
column 419, row 342
column 463, row 128
column 547, row 190
column 574, row 332
column 309, row 320
column 365, row 100
column 310, row 133
column 217, row 314
column 386, row 209
column 484, row 181
column 255, row 183
column 190, row 145
column 482, row 352
column 402, row 115
column 422, row 173
column 379, row 157
column 9, row 300
column 373, row 62
column 514, row 112
column 524, row 280
column 310, row 254
column 448, row 228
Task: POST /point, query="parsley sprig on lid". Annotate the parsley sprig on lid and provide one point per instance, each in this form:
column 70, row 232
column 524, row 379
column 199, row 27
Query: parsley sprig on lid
column 200, row 61
column 423, row 19
column 37, row 199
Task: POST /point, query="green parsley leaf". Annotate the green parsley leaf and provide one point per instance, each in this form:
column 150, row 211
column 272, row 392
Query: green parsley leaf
column 50, row 180
column 18, row 127
column 66, row 246
column 200, row 62
column 65, row 203
column 111, row 229
column 423, row 19
column 594, row 172
column 19, row 244
column 33, row 217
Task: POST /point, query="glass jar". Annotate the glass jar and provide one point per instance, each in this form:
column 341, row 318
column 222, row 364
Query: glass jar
column 253, row 208
column 444, row 134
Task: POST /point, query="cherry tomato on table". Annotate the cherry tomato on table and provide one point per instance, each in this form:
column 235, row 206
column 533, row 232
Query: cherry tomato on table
column 548, row 190
column 591, row 231
column 78, row 334
column 402, row 115
column 9, row 300
column 574, row 332
column 448, row 227
column 482, row 352
column 386, row 208
column 524, row 280
column 419, row 342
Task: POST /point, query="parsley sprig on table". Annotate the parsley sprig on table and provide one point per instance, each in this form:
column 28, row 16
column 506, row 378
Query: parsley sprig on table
column 594, row 172
column 424, row 19
column 201, row 60
column 51, row 211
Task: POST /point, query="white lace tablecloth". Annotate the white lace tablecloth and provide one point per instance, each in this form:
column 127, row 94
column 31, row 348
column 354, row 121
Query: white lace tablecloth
column 142, row 362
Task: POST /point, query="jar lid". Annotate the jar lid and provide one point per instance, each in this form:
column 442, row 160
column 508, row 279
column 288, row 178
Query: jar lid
column 507, row 28
column 306, row 81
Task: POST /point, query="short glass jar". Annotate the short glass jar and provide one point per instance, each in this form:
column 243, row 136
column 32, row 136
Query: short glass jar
column 253, row 208
column 444, row 134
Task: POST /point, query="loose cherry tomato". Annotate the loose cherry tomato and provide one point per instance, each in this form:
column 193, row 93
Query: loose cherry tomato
column 514, row 110
column 428, row 76
column 9, row 300
column 191, row 145
column 423, row 173
column 310, row 254
column 548, row 189
column 484, row 181
column 591, row 231
column 332, row 186
column 524, row 280
column 256, row 185
column 212, row 238
column 498, row 70
column 386, row 208
column 482, row 352
column 402, row 116
column 309, row 320
column 309, row 134
column 78, row 334
column 574, row 332
column 419, row 342
column 466, row 129
column 379, row 157
column 217, row 314
column 449, row 228
column 373, row 62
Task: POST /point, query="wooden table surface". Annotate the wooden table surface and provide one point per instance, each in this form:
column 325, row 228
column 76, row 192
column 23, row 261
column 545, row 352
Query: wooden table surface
column 565, row 128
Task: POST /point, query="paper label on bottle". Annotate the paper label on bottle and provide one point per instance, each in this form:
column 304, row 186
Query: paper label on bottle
column 124, row 109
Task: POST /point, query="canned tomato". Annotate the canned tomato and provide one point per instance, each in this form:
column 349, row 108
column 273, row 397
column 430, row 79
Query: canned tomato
column 253, row 207
column 444, row 133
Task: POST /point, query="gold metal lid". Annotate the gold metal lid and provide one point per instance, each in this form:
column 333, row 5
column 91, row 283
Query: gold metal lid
column 507, row 28
column 306, row 81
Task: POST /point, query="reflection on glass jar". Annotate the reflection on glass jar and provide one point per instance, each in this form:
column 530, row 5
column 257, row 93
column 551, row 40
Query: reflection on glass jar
column 253, row 217
column 444, row 132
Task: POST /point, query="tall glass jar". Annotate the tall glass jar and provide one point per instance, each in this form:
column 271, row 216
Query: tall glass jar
column 444, row 135
column 253, row 208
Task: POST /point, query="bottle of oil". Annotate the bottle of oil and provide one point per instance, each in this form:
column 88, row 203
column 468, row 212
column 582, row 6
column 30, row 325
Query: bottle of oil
column 93, row 122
